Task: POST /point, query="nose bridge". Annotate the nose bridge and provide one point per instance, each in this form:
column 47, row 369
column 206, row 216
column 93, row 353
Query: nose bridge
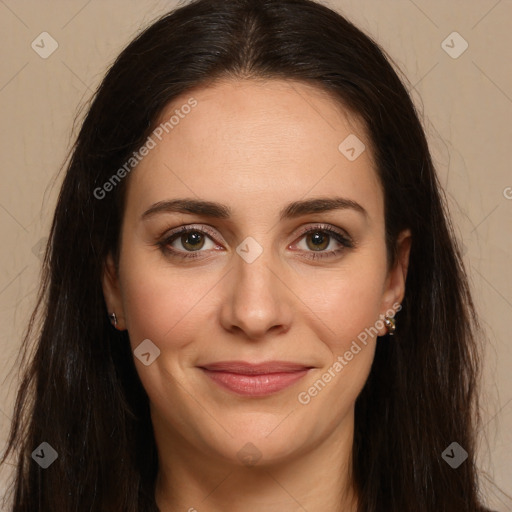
column 254, row 277
column 258, row 299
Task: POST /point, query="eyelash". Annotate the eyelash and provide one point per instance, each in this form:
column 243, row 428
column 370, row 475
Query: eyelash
column 342, row 239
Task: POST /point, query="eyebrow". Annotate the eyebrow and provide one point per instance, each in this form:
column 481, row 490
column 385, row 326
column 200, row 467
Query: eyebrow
column 221, row 211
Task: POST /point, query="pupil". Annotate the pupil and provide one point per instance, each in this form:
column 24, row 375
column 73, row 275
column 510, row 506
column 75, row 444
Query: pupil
column 318, row 238
column 192, row 239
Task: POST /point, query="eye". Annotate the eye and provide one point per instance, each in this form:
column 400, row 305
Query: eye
column 193, row 239
column 319, row 238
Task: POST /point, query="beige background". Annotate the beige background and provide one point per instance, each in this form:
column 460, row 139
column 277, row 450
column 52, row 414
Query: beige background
column 466, row 103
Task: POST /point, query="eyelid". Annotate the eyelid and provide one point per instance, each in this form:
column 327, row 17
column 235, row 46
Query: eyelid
column 209, row 230
column 319, row 226
column 325, row 227
column 190, row 227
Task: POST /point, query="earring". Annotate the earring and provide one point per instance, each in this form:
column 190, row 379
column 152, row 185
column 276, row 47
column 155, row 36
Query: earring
column 113, row 319
column 390, row 323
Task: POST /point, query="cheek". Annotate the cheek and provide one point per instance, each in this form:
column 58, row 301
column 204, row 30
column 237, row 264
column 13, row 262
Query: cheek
column 347, row 311
column 158, row 302
column 346, row 301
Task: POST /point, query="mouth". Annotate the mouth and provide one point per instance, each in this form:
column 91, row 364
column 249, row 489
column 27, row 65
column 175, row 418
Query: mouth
column 255, row 379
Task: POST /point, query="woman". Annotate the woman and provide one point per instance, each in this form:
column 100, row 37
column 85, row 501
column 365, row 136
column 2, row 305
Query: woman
column 253, row 298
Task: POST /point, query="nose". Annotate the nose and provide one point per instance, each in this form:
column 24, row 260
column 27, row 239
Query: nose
column 258, row 301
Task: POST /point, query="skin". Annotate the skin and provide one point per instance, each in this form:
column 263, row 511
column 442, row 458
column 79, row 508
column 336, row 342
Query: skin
column 254, row 146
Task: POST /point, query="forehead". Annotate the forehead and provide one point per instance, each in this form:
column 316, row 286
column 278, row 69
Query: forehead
column 255, row 142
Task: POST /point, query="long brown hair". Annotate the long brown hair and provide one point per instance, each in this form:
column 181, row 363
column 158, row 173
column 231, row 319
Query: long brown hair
column 80, row 391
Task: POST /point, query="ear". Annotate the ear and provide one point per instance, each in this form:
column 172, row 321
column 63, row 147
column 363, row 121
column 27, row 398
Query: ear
column 112, row 291
column 394, row 288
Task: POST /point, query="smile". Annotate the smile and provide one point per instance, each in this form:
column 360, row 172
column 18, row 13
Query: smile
column 255, row 380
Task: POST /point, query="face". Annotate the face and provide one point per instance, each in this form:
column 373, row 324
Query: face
column 288, row 266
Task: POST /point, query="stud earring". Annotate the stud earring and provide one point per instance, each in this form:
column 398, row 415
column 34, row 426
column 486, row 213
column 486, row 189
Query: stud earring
column 113, row 319
column 390, row 323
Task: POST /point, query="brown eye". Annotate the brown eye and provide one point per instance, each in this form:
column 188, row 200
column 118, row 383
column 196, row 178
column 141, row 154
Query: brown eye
column 322, row 241
column 193, row 240
column 319, row 240
column 188, row 242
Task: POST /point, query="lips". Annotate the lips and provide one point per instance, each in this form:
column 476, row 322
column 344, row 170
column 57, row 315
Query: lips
column 243, row 368
column 259, row 379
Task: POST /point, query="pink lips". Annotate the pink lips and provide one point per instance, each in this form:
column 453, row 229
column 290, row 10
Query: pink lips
column 255, row 379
